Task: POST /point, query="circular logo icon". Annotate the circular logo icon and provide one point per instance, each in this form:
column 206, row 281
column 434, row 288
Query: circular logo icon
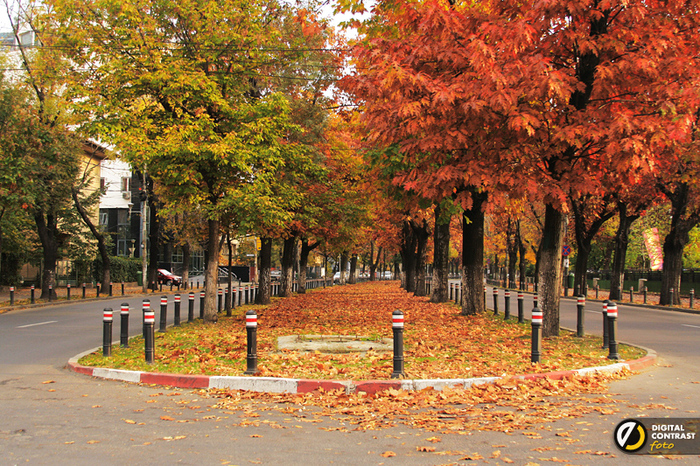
column 630, row 435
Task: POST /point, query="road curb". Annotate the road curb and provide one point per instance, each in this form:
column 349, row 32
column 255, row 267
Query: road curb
column 370, row 387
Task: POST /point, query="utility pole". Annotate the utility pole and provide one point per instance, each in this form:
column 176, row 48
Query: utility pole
column 144, row 236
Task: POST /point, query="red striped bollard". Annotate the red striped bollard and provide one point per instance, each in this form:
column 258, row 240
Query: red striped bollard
column 12, row 296
column 536, row 335
column 612, row 323
column 124, row 330
column 521, row 307
column 580, row 313
column 176, row 311
column 107, row 316
column 31, row 295
column 397, row 327
column 535, row 300
column 149, row 321
column 68, row 292
column 233, row 297
column 606, row 334
column 190, row 308
column 506, row 309
column 202, row 295
column 495, row 301
column 251, row 326
column 163, row 313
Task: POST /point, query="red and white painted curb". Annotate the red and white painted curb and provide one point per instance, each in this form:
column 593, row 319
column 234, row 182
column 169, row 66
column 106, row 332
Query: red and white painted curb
column 282, row 385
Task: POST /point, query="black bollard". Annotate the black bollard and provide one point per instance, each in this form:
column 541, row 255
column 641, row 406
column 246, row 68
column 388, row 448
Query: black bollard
column 111, row 286
column 122, row 288
column 227, row 302
column 201, row 304
column 247, row 290
column 97, row 294
column 670, row 294
column 51, row 293
column 251, row 326
column 219, row 299
column 535, row 299
column 536, row 353
column 163, row 313
column 506, row 308
column 83, row 290
column 580, row 309
column 124, row 330
column 631, row 295
column 149, row 319
column 176, row 311
column 451, row 291
column 12, row 296
column 521, row 307
column 645, row 294
column 597, row 290
column 397, row 327
column 68, row 291
column 457, row 294
column 606, row 335
column 190, row 309
column 692, row 298
column 233, row 297
column 612, row 323
column 240, row 294
column 107, row 332
column 484, row 297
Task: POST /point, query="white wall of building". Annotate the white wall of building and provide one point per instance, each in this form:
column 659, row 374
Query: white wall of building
column 116, row 177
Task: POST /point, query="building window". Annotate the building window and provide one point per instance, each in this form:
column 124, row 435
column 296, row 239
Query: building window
column 104, row 219
column 103, row 184
column 126, row 184
column 177, row 256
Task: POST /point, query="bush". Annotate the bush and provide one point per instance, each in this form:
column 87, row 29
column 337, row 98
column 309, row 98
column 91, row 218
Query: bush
column 122, row 269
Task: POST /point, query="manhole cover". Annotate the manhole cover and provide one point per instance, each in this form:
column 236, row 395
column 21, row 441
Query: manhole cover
column 334, row 343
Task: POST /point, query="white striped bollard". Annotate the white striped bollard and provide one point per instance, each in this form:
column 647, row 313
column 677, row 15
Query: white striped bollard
column 580, row 313
column 107, row 316
column 535, row 300
column 536, row 353
column 202, row 295
column 521, row 307
column 612, row 323
column 176, row 311
column 397, row 327
column 163, row 313
column 190, row 307
column 506, row 309
column 606, row 334
column 251, row 326
column 124, row 329
column 149, row 323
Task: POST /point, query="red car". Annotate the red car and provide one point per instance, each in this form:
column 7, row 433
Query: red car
column 168, row 278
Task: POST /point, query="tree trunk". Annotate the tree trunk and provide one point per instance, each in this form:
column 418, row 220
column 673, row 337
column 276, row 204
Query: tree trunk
column 512, row 252
column 343, row 267
column 186, row 255
column 48, row 234
column 441, row 258
column 373, row 264
column 212, row 273
column 353, row 269
column 622, row 237
column 550, row 270
column 408, row 257
column 421, row 233
column 306, row 249
column 522, row 251
column 473, row 256
column 229, row 281
column 101, row 244
column 154, row 252
column 264, row 277
column 587, row 224
column 287, row 266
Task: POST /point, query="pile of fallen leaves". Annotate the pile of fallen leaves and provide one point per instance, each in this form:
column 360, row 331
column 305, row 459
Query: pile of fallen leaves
column 439, row 342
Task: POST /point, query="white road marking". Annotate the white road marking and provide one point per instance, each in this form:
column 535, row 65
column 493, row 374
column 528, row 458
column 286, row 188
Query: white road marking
column 688, row 325
column 40, row 323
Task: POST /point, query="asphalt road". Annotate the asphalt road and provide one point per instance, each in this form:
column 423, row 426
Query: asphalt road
column 52, row 416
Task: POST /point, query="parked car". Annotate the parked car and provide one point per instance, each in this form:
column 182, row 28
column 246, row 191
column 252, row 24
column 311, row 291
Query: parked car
column 168, row 278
